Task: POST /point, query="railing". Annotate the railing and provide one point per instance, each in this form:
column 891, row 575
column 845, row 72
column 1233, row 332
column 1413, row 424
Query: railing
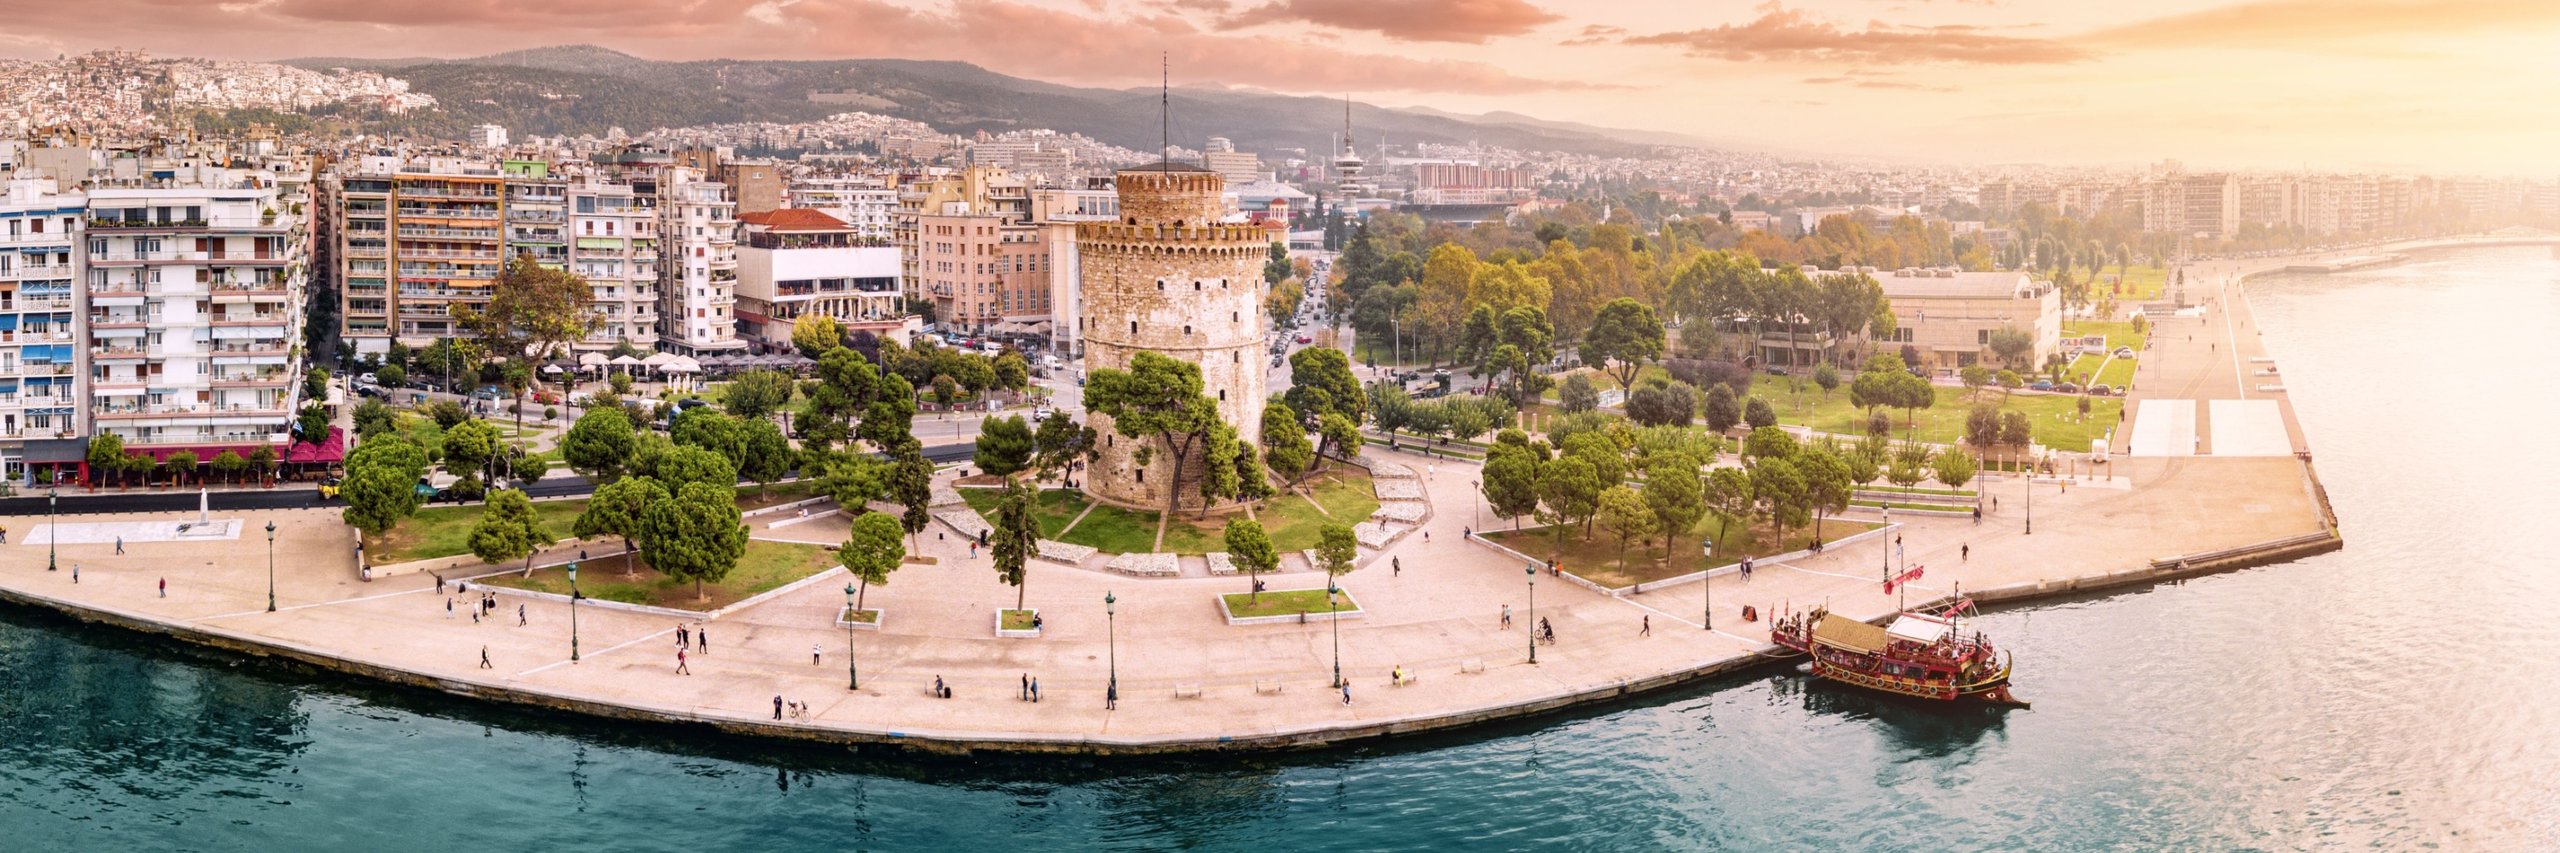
column 274, row 377
column 275, row 348
column 36, row 303
column 271, row 319
column 447, row 254
column 441, row 231
column 140, row 257
column 118, row 352
column 206, row 438
column 249, row 286
column 367, row 251
column 37, row 271
column 536, row 216
column 125, row 322
column 450, row 213
column 99, row 222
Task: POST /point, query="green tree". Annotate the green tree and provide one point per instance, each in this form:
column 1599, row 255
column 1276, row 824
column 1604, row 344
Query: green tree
column 1005, row 445
column 1578, row 395
column 1510, row 481
column 615, row 510
column 1954, row 468
column 1722, row 411
column 712, row 431
column 1727, row 497
column 1827, row 378
column 1158, row 399
column 392, row 376
column 911, row 486
column 1826, row 483
column 469, row 445
column 695, row 536
column 2013, row 345
column 683, row 466
column 1012, row 373
column 1975, row 378
column 1906, row 471
column 263, row 460
column 1061, row 441
column 182, row 465
column 1570, row 490
column 508, row 529
column 1320, row 384
column 312, row 425
column 1219, row 479
column 1341, row 434
column 1767, row 443
column 1017, row 536
column 1252, row 551
column 1337, row 549
column 873, row 549
column 1624, row 511
column 1782, row 493
column 1623, row 337
column 1285, row 448
column 533, row 311
column 381, row 481
column 1661, row 403
column 2016, row 429
column 757, row 393
column 315, row 384
column 599, row 446
column 764, row 454
column 814, row 334
column 372, row 419
column 1275, row 265
column 1676, row 495
column 1465, row 419
column 1758, row 413
column 230, row 465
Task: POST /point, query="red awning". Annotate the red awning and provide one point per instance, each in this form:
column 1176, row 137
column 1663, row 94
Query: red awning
column 331, row 450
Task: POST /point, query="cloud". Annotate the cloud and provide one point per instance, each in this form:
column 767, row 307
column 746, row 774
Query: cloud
column 1596, row 34
column 1468, row 21
column 1789, row 35
column 1058, row 43
column 1869, row 80
column 2279, row 23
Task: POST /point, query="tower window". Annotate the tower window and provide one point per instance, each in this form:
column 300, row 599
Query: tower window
column 1133, row 327
column 1186, row 330
column 1222, row 395
column 1142, row 475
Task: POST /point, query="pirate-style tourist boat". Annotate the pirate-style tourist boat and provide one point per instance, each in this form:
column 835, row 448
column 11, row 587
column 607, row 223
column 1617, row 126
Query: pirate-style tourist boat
column 1919, row 655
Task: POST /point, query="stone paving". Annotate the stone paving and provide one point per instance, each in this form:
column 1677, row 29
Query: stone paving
column 1148, row 565
column 1397, row 490
column 1408, row 512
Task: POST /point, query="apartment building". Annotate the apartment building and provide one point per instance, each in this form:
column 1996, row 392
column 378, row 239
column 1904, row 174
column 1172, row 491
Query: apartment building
column 983, row 269
column 2207, row 204
column 436, row 227
column 194, row 312
column 977, row 190
column 865, row 204
column 794, row 262
column 41, row 255
column 613, row 229
column 698, row 276
column 1238, row 167
column 755, row 184
column 1057, row 210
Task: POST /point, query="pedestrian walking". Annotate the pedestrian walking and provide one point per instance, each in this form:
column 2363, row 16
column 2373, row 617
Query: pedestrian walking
column 1977, row 516
column 475, row 617
column 777, row 706
column 1026, row 687
column 1648, row 626
column 119, row 546
column 702, row 639
column 164, row 587
column 4, row 534
column 519, row 615
column 1426, row 537
column 1506, row 617
column 1964, row 553
column 1995, row 503
column 681, row 669
column 683, row 637
column 484, row 659
column 813, row 655
column 448, row 607
column 439, row 584
column 1346, row 692
column 1111, row 698
column 1396, row 563
column 75, row 573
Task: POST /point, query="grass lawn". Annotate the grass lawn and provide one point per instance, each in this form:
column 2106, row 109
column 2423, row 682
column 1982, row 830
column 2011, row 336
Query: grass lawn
column 1916, row 490
column 423, row 430
column 1284, row 602
column 1896, row 505
column 445, row 531
column 1292, row 522
column 765, row 566
column 2056, row 417
column 2118, row 334
column 867, row 616
column 1114, row 529
column 2142, row 283
column 1016, row 620
column 1597, row 558
column 1055, row 509
column 751, row 497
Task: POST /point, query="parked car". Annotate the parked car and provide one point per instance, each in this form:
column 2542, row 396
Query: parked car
column 2067, row 388
column 1304, row 339
column 372, row 391
column 328, row 488
column 2124, row 352
column 2041, row 385
column 488, row 392
column 2102, row 390
column 364, row 379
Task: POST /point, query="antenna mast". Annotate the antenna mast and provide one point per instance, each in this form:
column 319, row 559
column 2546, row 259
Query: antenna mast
column 1164, row 147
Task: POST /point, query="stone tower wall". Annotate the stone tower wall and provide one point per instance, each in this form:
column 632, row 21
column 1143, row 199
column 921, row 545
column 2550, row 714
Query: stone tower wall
column 1193, row 292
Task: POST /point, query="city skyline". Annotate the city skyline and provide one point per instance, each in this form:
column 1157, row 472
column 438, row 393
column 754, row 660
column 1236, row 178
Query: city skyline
column 2361, row 84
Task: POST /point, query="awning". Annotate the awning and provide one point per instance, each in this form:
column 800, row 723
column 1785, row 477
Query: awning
column 1846, row 634
column 330, row 450
column 661, row 359
column 53, row 450
column 593, row 359
column 1916, row 628
column 623, row 361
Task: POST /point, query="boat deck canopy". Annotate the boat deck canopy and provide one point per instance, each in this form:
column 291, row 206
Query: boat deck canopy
column 1913, row 627
column 1846, row 634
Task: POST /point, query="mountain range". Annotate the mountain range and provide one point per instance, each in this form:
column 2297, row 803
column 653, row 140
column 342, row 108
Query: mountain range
column 579, row 89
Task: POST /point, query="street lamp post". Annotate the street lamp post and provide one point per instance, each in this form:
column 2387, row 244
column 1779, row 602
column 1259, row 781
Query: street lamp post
column 853, row 674
column 573, row 612
column 1111, row 619
column 271, row 567
column 2031, row 497
column 1707, row 581
column 1533, row 612
column 1477, row 511
column 53, row 531
column 1333, row 611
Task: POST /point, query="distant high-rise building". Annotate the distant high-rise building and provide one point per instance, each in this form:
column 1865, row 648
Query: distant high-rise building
column 489, row 136
column 797, row 262
column 42, row 255
column 698, row 275
column 434, row 226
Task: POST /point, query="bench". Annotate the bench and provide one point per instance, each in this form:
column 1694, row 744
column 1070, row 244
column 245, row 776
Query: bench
column 1267, row 686
column 1471, row 666
column 1186, row 691
column 1408, row 679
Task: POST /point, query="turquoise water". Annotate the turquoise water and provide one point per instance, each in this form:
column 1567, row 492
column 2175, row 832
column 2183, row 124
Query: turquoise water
column 2392, row 695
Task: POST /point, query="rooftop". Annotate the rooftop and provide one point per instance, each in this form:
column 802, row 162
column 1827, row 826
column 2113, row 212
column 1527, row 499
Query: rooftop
column 793, row 219
column 1945, row 284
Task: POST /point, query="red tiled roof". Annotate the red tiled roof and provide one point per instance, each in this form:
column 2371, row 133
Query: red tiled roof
column 794, row 219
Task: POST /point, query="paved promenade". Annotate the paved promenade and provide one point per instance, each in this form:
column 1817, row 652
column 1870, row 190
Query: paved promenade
column 1264, row 685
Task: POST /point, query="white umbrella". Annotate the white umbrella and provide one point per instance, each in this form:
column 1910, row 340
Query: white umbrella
column 552, row 369
column 623, row 361
column 593, row 359
column 659, row 360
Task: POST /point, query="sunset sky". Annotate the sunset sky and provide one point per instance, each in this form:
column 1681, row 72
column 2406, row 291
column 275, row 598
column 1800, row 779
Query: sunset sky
column 2438, row 85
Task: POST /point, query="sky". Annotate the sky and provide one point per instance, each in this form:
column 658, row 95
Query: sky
column 2446, row 86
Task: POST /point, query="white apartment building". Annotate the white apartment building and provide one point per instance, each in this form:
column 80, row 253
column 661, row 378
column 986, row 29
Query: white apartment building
column 41, row 254
column 194, row 313
column 613, row 234
column 867, row 205
column 698, row 276
column 794, row 262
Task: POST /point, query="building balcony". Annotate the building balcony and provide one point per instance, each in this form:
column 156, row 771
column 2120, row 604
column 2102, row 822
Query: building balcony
column 367, row 251
column 34, row 369
column 438, row 232
column 121, row 322
column 134, row 258
column 450, row 255
column 35, row 271
column 203, row 438
column 261, row 379
column 250, row 348
column 27, row 302
column 277, row 318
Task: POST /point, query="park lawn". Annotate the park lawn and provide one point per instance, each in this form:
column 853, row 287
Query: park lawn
column 1596, row 559
column 1284, row 602
column 2085, row 368
column 1017, row 620
column 752, row 497
column 2055, row 416
column 1055, row 509
column 2142, row 283
column 423, row 430
column 2118, row 334
column 867, row 616
column 1897, row 505
column 764, row 566
column 1292, row 523
column 2118, row 374
column 1116, row 530
column 445, row 531
column 1881, row 486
